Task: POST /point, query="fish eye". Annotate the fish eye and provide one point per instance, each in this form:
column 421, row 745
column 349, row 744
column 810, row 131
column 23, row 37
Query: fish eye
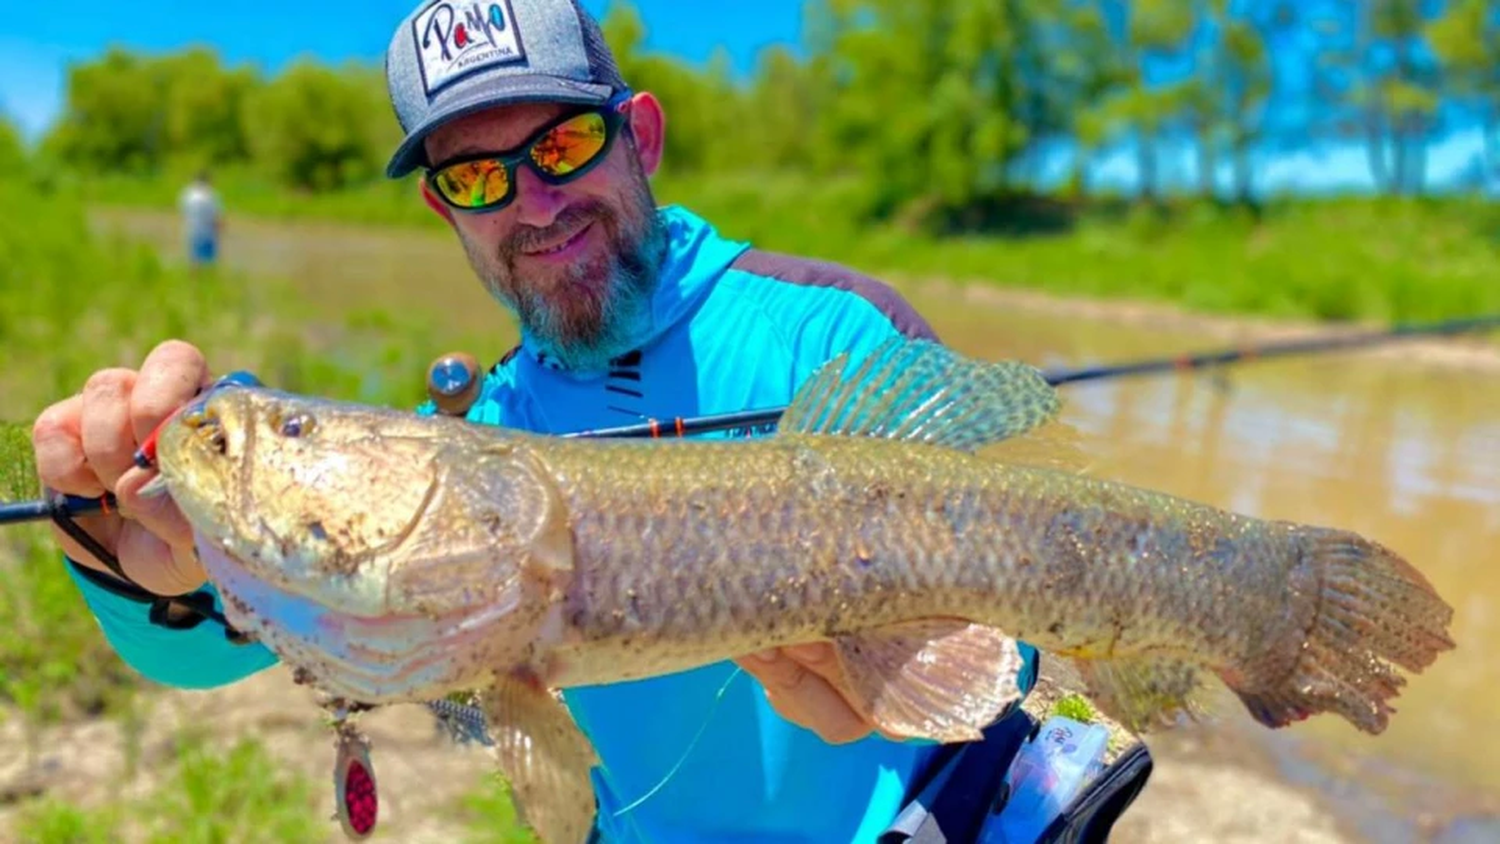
column 296, row 425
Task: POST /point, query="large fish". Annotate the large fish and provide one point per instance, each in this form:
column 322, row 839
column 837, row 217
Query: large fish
column 392, row 558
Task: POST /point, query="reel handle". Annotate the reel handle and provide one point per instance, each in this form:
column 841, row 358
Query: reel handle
column 453, row 382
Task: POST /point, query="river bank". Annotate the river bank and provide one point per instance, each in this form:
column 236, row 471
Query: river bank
column 1399, row 442
column 424, row 778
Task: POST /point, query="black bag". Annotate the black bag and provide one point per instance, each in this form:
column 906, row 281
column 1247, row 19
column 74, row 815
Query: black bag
column 967, row 789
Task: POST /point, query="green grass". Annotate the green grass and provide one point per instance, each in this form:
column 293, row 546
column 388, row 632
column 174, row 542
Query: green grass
column 74, row 303
column 1075, row 707
column 239, row 794
column 394, row 203
column 489, row 814
column 53, row 821
column 1329, row 259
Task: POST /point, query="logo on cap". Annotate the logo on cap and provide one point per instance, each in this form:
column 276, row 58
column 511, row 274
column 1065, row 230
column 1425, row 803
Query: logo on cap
column 457, row 39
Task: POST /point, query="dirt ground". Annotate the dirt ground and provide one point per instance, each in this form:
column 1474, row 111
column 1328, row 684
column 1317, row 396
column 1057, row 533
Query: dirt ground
column 422, row 774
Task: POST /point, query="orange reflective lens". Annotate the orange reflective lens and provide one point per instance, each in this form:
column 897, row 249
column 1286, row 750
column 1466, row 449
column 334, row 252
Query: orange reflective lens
column 558, row 154
column 474, row 184
column 570, row 146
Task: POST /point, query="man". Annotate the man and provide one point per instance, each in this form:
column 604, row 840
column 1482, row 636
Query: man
column 538, row 155
column 202, row 221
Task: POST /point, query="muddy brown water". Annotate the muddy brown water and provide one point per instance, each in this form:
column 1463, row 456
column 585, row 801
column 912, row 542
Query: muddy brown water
column 1402, row 446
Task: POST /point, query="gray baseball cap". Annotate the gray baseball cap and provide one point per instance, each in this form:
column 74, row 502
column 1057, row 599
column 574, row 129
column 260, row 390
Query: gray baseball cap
column 449, row 58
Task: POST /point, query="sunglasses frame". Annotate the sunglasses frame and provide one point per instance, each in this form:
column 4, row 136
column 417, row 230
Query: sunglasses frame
column 510, row 160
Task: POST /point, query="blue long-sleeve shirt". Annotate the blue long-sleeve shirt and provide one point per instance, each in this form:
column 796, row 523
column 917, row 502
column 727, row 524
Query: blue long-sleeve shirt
column 698, row 755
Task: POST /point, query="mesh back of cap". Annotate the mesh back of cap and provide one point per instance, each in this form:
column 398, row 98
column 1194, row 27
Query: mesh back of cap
column 601, row 58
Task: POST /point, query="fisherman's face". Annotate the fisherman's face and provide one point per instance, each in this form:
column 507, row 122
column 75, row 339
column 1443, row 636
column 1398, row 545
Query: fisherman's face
column 577, row 262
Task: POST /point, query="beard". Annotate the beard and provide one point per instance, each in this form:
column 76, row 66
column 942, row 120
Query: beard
column 583, row 315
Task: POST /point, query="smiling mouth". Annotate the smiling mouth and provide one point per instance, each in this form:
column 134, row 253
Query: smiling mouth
column 562, row 244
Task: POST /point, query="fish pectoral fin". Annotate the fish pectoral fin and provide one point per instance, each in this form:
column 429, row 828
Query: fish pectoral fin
column 941, row 679
column 919, row 390
column 545, row 758
column 1144, row 692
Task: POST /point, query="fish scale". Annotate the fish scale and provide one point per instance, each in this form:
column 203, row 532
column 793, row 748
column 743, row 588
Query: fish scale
column 451, row 557
column 1063, row 544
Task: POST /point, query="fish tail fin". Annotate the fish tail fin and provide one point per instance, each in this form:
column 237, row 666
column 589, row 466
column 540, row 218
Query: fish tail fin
column 1368, row 610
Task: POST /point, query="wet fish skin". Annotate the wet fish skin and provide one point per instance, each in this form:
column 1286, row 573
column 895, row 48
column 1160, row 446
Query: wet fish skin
column 449, row 556
column 685, row 556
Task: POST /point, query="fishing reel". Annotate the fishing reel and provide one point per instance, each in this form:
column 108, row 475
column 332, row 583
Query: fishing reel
column 453, row 382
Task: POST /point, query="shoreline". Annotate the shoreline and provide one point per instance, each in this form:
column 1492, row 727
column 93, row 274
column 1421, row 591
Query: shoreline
column 1465, row 351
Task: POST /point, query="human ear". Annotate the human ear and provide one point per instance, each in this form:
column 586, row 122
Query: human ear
column 647, row 128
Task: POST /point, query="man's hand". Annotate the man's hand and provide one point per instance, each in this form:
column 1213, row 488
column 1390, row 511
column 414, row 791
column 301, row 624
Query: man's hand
column 84, row 446
column 805, row 684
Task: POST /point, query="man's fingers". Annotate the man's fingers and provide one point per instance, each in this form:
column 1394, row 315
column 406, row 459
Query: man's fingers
column 56, row 439
column 804, row 697
column 818, row 656
column 815, row 704
column 149, row 561
column 108, row 442
column 171, row 375
column 158, row 514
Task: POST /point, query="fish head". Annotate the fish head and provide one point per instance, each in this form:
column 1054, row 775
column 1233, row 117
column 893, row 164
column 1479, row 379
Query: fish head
column 390, row 555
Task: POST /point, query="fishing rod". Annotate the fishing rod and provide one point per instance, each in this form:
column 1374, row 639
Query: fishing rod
column 454, row 382
column 1176, row 363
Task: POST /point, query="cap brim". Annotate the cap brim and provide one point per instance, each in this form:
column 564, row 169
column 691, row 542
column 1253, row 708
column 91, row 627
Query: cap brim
column 489, row 94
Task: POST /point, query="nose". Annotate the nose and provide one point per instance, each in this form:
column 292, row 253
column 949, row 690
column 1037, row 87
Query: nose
column 537, row 203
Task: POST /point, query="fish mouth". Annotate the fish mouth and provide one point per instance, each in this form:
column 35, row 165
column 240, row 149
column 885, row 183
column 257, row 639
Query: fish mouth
column 374, row 659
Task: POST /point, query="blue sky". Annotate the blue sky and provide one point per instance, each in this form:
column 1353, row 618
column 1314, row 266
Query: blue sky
column 38, row 40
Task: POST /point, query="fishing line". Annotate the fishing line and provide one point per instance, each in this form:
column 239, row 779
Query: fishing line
column 672, row 772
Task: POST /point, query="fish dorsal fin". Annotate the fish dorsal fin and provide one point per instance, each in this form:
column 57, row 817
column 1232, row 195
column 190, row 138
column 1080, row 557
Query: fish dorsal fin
column 920, row 390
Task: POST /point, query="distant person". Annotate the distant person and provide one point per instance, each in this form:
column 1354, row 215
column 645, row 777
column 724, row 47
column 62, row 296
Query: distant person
column 202, row 220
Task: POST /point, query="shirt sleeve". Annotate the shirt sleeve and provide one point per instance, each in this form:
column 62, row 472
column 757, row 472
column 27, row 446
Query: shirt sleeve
column 198, row 658
column 854, row 320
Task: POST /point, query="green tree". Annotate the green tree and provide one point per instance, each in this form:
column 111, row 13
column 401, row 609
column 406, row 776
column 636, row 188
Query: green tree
column 13, row 155
column 203, row 103
column 321, row 128
column 919, row 103
column 704, row 108
column 1155, row 33
column 782, row 109
column 1466, row 39
column 1224, row 99
column 1091, row 66
column 1407, row 91
column 136, row 113
column 113, row 115
column 1375, row 76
